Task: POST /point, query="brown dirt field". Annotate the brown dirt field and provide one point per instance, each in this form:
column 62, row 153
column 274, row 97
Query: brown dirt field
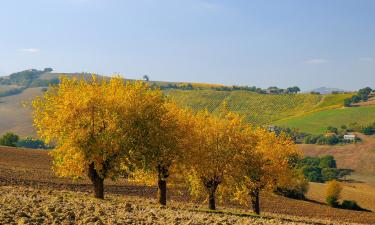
column 31, row 169
column 15, row 117
column 360, row 156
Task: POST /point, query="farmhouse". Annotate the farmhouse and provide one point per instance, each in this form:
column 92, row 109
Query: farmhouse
column 349, row 137
column 271, row 128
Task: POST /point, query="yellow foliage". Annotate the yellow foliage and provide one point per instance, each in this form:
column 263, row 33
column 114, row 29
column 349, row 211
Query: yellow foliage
column 89, row 122
column 264, row 165
column 333, row 193
column 214, row 144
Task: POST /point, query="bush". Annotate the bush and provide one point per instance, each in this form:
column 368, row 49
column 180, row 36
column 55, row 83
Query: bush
column 329, row 174
column 368, row 130
column 327, row 161
column 347, row 102
column 295, row 191
column 313, row 174
column 32, row 143
column 333, row 193
column 351, row 205
column 9, row 139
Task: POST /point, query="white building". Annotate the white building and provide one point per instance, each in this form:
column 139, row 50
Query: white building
column 349, row 137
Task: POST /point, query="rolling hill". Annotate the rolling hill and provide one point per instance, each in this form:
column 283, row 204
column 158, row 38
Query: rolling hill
column 307, row 112
column 317, row 123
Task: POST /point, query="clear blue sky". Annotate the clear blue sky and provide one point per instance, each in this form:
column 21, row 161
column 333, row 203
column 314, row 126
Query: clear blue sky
column 309, row 43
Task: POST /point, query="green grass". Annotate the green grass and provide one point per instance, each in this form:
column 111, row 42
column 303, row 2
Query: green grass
column 258, row 109
column 317, row 123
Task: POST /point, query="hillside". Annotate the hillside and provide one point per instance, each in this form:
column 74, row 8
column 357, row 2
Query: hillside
column 360, row 156
column 29, row 172
column 306, row 112
column 14, row 116
column 258, row 109
column 317, row 122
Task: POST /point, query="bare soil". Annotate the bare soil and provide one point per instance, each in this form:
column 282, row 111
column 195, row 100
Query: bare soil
column 27, row 184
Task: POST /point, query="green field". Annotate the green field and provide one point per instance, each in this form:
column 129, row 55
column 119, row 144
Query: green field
column 258, row 109
column 317, row 123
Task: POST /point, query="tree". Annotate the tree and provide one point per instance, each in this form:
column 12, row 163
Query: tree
column 329, row 174
column 327, row 161
column 161, row 136
column 212, row 154
column 364, row 93
column 347, row 102
column 48, row 70
column 293, row 90
column 333, row 193
column 313, row 173
column 30, row 142
column 146, row 78
column 263, row 167
column 88, row 121
column 9, row 139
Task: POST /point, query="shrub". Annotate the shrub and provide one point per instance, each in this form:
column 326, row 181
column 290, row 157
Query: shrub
column 295, row 191
column 329, row 174
column 32, row 143
column 368, row 130
column 9, row 139
column 332, row 140
column 327, row 161
column 347, row 102
column 351, row 205
column 313, row 174
column 333, row 193
column 321, row 140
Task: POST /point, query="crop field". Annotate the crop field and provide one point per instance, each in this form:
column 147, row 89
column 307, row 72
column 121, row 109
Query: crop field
column 258, row 109
column 317, row 123
column 31, row 193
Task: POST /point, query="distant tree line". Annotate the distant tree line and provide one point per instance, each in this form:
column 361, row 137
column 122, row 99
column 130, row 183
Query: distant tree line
column 270, row 90
column 13, row 140
column 26, row 79
column 361, row 96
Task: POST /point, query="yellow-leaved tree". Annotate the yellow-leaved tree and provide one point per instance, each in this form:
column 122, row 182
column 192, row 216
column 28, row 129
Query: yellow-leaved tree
column 210, row 157
column 262, row 166
column 89, row 122
column 161, row 134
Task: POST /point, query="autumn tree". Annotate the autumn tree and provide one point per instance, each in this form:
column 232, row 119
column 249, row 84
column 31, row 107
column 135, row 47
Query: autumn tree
column 88, row 122
column 333, row 193
column 212, row 153
column 262, row 167
column 162, row 131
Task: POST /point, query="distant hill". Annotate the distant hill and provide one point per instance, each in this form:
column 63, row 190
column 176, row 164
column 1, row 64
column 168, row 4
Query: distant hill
column 325, row 90
column 289, row 110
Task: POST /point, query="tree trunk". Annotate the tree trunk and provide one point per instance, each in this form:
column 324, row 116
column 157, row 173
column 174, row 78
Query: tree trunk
column 97, row 182
column 255, row 202
column 211, row 200
column 162, row 191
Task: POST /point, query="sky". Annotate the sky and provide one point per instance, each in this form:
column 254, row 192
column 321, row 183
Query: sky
column 308, row 43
